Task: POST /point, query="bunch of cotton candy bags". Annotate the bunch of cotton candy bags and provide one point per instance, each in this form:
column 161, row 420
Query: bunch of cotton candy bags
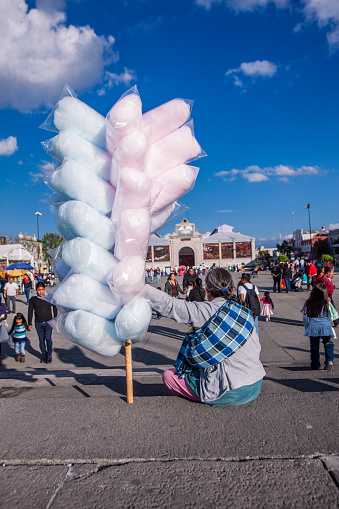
column 116, row 180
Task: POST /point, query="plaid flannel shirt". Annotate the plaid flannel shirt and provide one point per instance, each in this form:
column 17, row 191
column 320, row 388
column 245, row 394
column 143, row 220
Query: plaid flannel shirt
column 221, row 336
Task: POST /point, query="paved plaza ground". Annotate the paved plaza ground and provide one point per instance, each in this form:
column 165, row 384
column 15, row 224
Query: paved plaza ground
column 69, row 439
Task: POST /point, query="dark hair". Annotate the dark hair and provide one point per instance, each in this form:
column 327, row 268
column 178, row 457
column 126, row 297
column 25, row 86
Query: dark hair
column 198, row 282
column 169, row 277
column 19, row 316
column 328, row 269
column 317, row 303
column 40, row 284
column 267, row 297
column 320, row 270
column 246, row 277
column 219, row 283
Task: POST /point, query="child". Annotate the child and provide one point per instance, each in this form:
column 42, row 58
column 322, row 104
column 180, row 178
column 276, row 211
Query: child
column 268, row 306
column 19, row 336
column 317, row 322
column 189, row 289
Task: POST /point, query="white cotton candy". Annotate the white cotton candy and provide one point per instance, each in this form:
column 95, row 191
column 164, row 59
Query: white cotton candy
column 122, row 119
column 88, row 258
column 176, row 182
column 87, row 222
column 131, row 152
column 166, row 118
column 159, row 218
column 73, row 115
column 93, row 332
column 60, row 268
column 78, row 183
column 91, row 157
column 64, row 232
column 177, row 148
column 79, row 291
column 128, row 278
column 133, row 320
column 133, row 233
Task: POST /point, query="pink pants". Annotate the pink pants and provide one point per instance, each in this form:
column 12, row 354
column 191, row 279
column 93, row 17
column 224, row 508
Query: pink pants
column 178, row 385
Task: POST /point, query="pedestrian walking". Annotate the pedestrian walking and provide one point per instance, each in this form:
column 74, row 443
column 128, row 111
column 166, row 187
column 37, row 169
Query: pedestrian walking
column 151, row 274
column 218, row 363
column 10, row 292
column 42, row 314
column 158, row 273
column 276, row 274
column 3, row 323
column 317, row 323
column 320, row 273
column 287, row 276
column 18, row 330
column 249, row 297
column 311, row 272
column 27, row 284
column 327, row 281
column 268, row 306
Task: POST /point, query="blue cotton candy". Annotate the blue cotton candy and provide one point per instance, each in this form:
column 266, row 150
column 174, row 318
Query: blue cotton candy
column 73, row 115
column 88, row 258
column 75, row 181
column 87, row 222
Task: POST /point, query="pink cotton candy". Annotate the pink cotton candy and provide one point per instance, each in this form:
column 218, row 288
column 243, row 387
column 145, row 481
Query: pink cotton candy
column 166, row 118
column 133, row 233
column 176, row 182
column 134, row 191
column 159, row 218
column 124, row 117
column 131, row 152
column 176, row 148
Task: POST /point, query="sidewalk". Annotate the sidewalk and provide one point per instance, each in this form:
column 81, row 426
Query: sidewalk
column 69, row 439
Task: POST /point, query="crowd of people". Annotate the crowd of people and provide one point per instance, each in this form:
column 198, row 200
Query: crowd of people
column 219, row 360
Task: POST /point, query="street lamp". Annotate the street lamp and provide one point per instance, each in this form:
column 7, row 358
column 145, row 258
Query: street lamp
column 308, row 206
column 38, row 241
column 293, row 234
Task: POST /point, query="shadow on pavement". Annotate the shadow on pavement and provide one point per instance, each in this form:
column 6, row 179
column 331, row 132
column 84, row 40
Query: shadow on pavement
column 305, row 384
column 150, row 358
column 167, row 332
column 75, row 356
column 286, row 321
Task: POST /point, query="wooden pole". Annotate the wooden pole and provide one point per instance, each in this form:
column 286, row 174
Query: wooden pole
column 129, row 375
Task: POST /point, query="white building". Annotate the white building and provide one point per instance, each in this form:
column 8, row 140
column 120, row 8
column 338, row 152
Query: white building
column 186, row 246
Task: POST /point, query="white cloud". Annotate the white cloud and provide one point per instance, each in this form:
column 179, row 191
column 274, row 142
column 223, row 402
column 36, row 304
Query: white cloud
column 40, row 53
column 112, row 79
column 332, row 226
column 8, row 146
column 257, row 69
column 288, row 237
column 256, row 174
column 324, row 12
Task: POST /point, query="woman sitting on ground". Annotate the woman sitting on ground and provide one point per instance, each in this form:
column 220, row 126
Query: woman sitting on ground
column 218, row 362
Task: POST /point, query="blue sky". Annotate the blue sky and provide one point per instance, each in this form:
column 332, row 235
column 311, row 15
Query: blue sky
column 264, row 77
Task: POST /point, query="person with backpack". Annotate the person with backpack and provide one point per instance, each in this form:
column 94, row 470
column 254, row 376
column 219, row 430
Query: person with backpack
column 249, row 296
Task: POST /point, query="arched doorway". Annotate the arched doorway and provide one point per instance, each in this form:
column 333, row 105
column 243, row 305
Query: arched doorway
column 186, row 257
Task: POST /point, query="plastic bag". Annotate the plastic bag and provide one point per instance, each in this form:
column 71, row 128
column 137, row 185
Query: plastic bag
column 3, row 333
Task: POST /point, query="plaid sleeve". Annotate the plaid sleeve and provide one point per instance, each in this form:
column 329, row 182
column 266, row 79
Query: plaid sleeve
column 227, row 331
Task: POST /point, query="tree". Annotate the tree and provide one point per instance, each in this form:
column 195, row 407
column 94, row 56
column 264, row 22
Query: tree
column 321, row 247
column 284, row 248
column 282, row 258
column 326, row 258
column 50, row 241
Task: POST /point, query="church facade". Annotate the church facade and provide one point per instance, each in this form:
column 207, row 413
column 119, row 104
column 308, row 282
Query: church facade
column 186, row 246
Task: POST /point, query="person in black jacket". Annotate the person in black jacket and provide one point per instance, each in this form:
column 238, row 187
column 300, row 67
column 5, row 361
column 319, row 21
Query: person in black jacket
column 276, row 273
column 189, row 277
column 42, row 314
column 197, row 294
